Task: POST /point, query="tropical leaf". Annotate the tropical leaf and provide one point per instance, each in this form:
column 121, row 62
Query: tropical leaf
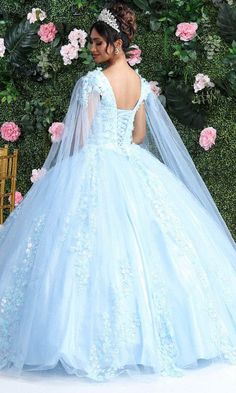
column 226, row 22
column 142, row 4
column 228, row 85
column 179, row 102
column 19, row 40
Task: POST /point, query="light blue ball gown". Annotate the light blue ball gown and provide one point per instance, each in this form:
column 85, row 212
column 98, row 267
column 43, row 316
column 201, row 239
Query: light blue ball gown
column 110, row 265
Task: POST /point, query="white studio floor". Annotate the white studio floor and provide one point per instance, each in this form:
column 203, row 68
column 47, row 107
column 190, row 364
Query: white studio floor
column 216, row 378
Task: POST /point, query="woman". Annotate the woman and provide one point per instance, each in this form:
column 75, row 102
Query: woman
column 116, row 261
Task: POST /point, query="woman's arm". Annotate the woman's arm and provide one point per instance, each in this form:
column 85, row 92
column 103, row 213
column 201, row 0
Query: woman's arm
column 139, row 130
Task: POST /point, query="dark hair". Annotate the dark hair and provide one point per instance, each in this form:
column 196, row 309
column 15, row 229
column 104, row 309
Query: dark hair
column 126, row 20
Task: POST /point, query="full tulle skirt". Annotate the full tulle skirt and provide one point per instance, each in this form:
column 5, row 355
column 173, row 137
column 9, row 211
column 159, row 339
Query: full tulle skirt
column 110, row 265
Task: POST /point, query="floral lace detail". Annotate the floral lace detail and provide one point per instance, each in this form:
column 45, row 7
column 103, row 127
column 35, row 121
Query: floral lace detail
column 88, row 83
column 82, row 242
column 171, row 225
column 12, row 299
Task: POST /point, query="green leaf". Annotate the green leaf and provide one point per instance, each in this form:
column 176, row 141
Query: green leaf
column 154, row 24
column 179, row 101
column 226, row 22
column 55, row 42
column 20, row 39
column 142, row 4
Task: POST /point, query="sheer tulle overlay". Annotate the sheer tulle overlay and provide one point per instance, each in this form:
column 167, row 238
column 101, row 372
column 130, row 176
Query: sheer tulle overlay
column 111, row 265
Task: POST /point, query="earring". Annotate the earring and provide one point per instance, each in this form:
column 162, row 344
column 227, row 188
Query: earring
column 117, row 50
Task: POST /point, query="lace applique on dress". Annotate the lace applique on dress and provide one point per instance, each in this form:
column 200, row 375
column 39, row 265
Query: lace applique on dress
column 88, row 83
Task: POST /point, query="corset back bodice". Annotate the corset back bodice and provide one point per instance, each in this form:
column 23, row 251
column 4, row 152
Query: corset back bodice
column 112, row 125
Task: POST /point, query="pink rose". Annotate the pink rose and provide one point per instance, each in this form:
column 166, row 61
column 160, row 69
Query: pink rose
column 56, row 129
column 207, row 137
column 18, row 198
column 134, row 55
column 156, row 89
column 10, row 131
column 37, row 174
column 202, row 81
column 47, row 32
column 186, row 31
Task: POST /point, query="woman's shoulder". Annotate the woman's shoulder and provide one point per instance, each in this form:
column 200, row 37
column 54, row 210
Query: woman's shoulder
column 93, row 78
column 145, row 84
column 90, row 82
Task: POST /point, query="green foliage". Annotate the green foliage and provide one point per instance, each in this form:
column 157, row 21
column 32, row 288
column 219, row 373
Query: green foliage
column 227, row 22
column 38, row 115
column 9, row 93
column 228, row 83
column 179, row 101
column 19, row 40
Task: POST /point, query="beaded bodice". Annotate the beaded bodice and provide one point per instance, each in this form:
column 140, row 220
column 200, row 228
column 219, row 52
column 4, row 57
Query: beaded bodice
column 111, row 125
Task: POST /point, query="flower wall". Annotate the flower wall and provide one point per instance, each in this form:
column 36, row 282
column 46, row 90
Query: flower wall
column 186, row 50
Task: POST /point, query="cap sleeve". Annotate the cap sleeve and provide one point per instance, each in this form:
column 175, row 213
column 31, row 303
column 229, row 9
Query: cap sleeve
column 89, row 84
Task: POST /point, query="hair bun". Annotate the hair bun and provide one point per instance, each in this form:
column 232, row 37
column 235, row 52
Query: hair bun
column 126, row 19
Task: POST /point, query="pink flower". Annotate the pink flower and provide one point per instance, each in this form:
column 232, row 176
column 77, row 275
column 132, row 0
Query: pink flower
column 2, row 47
column 134, row 55
column 47, row 32
column 202, row 81
column 207, row 137
column 10, row 131
column 69, row 52
column 18, row 198
column 186, row 31
column 156, row 89
column 78, row 36
column 36, row 14
column 56, row 129
column 37, row 174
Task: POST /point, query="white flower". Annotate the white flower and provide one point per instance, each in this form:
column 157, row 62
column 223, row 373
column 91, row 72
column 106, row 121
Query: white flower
column 69, row 52
column 78, row 36
column 2, row 47
column 36, row 14
column 202, row 81
column 155, row 88
column 37, row 174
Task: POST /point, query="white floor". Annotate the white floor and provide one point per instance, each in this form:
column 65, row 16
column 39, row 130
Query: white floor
column 216, row 378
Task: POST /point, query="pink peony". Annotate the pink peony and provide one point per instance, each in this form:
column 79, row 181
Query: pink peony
column 202, row 81
column 186, row 31
column 56, row 129
column 47, row 32
column 78, row 37
column 37, row 174
column 18, row 198
column 156, row 89
column 207, row 137
column 134, row 55
column 36, row 14
column 69, row 52
column 2, row 47
column 10, row 131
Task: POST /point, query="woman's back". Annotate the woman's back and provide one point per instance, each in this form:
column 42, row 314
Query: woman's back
column 126, row 86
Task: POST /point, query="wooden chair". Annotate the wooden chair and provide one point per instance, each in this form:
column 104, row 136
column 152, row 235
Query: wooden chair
column 8, row 169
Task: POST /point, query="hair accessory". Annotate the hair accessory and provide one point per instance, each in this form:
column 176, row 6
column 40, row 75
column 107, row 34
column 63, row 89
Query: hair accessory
column 107, row 17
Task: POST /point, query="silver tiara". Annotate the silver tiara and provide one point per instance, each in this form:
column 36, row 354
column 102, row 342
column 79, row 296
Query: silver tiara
column 107, row 17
